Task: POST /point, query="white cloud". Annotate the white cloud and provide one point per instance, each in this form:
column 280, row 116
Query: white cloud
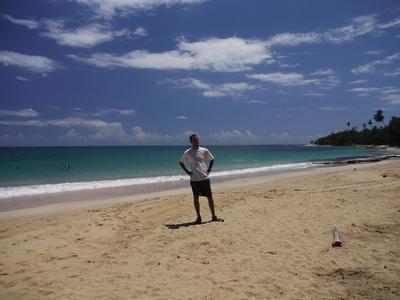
column 140, row 31
column 284, row 79
column 329, row 82
column 332, row 108
column 109, row 8
column 26, row 113
column 314, row 94
column 84, row 37
column 182, row 117
column 396, row 72
column 112, row 131
column 20, row 78
column 30, row 123
column 392, row 98
column 256, row 102
column 387, row 93
column 389, row 90
column 33, row 63
column 222, row 55
column 364, row 90
column 358, row 81
column 123, row 112
column 65, row 122
column 73, row 135
column 213, row 94
column 324, row 81
column 212, row 90
column 145, row 137
column 235, row 136
column 327, row 78
column 359, row 26
column 82, row 122
column 375, row 52
column 293, row 39
column 323, row 72
column 392, row 23
column 371, row 66
column 287, row 65
column 101, row 131
column 31, row 24
column 280, row 136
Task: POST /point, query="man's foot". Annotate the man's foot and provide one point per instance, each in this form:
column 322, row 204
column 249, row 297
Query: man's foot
column 198, row 220
column 217, row 219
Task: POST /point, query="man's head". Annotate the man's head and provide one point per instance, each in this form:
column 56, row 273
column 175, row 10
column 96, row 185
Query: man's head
column 194, row 140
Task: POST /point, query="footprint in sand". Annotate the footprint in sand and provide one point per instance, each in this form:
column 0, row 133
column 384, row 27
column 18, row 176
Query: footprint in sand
column 45, row 293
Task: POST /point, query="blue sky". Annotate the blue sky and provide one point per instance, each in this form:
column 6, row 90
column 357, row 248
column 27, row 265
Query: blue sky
column 150, row 72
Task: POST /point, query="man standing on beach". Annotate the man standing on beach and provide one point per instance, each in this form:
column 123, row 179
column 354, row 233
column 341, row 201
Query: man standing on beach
column 196, row 157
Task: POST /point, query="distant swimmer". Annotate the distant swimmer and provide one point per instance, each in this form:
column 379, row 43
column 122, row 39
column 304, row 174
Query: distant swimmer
column 67, row 167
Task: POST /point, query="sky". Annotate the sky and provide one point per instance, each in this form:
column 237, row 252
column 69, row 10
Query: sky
column 151, row 72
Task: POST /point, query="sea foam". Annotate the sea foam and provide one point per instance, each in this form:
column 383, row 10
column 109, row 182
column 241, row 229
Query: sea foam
column 31, row 190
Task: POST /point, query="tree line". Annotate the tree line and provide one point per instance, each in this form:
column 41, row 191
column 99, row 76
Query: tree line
column 369, row 135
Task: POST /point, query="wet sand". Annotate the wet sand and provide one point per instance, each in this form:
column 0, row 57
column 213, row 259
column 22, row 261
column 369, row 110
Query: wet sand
column 275, row 242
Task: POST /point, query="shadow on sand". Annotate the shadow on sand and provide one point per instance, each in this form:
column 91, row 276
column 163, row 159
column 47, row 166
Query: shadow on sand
column 187, row 224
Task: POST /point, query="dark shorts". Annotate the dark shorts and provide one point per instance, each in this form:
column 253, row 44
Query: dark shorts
column 201, row 188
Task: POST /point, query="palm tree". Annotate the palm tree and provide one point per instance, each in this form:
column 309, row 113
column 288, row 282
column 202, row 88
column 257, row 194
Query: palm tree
column 370, row 123
column 378, row 116
column 348, row 124
column 364, row 126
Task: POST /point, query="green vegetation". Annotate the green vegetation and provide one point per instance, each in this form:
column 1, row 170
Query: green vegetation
column 384, row 135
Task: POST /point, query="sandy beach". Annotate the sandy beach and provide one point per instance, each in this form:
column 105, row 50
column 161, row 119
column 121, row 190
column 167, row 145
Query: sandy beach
column 275, row 242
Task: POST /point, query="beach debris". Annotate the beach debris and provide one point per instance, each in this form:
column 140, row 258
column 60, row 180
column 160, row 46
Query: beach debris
column 336, row 239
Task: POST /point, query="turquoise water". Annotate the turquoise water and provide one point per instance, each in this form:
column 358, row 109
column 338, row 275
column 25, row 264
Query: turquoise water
column 45, row 165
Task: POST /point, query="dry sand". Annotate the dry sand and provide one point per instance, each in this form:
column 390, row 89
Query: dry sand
column 274, row 243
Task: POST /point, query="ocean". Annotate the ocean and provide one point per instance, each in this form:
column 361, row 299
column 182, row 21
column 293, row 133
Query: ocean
column 40, row 170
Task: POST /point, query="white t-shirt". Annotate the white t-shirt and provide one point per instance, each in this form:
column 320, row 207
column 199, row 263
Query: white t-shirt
column 197, row 161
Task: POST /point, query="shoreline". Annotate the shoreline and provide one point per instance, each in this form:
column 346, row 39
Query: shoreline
column 21, row 189
column 76, row 200
column 157, row 183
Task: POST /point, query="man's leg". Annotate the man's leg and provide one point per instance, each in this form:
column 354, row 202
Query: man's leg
column 211, row 204
column 197, row 206
column 214, row 216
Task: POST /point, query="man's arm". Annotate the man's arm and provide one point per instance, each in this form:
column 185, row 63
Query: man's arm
column 184, row 169
column 210, row 166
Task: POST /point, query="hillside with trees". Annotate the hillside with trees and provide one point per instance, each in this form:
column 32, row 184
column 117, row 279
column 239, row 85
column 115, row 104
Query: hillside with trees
column 369, row 135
